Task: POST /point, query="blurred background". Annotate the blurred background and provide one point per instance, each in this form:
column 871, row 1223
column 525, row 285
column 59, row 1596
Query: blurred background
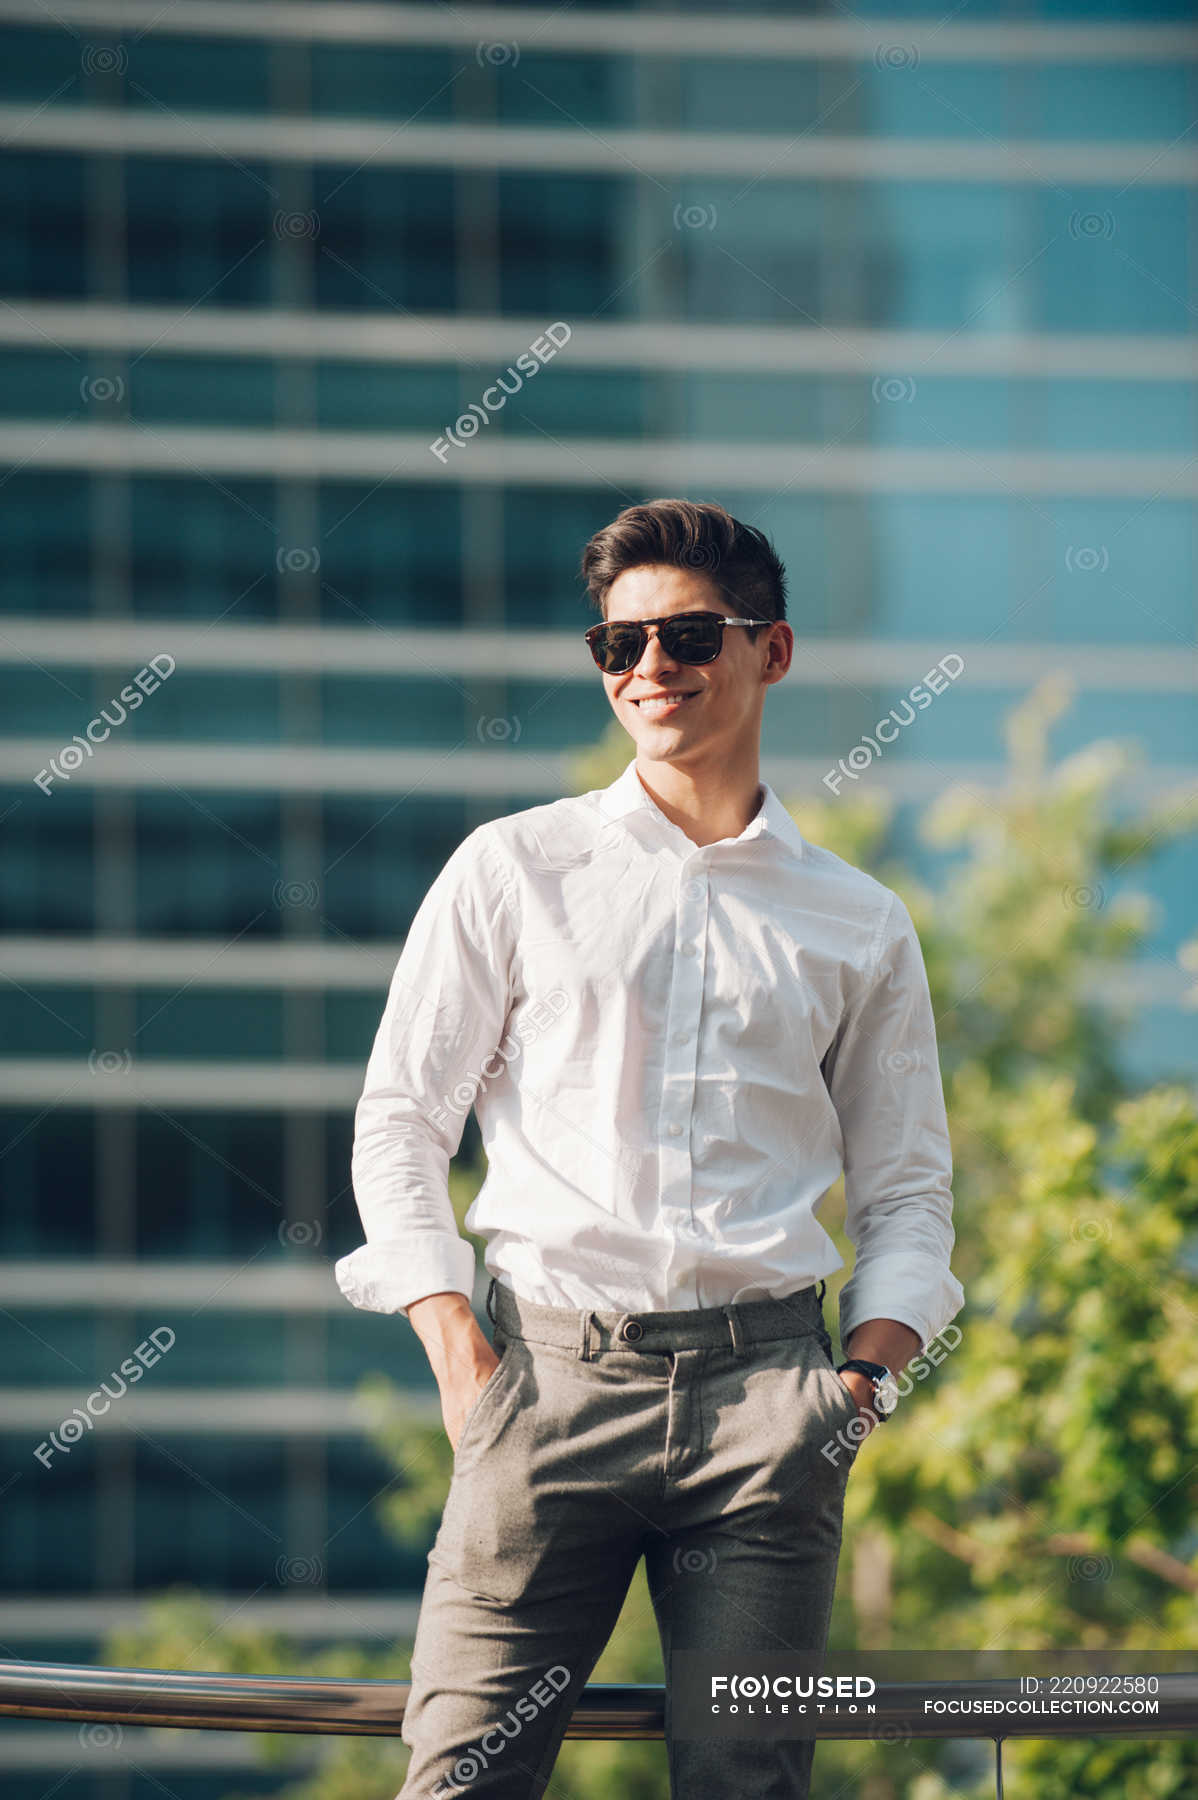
column 290, row 608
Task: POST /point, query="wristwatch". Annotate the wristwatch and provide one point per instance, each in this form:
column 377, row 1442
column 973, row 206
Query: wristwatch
column 886, row 1396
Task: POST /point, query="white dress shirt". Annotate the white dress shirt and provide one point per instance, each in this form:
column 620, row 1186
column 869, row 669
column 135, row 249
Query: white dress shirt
column 672, row 1053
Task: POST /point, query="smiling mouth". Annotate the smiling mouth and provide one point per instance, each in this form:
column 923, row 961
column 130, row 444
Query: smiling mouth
column 660, row 706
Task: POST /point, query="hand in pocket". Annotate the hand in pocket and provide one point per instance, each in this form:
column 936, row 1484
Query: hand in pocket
column 462, row 1393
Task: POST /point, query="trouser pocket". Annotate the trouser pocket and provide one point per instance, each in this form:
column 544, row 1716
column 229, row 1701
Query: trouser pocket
column 478, row 1543
column 485, row 1393
column 827, row 1407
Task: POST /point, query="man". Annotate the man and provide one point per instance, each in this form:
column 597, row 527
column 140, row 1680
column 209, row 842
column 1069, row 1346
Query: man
column 677, row 1021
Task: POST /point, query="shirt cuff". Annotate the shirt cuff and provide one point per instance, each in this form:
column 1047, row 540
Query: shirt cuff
column 915, row 1289
column 388, row 1278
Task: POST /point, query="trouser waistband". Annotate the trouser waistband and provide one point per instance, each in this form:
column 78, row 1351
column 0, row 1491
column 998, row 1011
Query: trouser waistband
column 587, row 1331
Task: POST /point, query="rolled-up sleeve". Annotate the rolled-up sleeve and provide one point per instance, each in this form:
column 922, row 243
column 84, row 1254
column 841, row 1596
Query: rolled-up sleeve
column 444, row 1015
column 883, row 1076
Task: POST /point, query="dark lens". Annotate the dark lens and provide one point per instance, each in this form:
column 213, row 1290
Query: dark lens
column 692, row 640
column 617, row 648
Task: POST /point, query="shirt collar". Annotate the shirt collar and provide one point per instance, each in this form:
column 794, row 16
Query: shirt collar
column 627, row 795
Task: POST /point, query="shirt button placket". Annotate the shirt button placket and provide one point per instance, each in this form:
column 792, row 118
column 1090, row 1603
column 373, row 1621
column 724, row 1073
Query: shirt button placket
column 682, row 1034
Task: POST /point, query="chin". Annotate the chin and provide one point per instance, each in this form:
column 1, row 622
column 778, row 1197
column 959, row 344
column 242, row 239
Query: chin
column 663, row 738
column 658, row 747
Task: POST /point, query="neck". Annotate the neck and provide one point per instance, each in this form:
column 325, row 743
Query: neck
column 707, row 806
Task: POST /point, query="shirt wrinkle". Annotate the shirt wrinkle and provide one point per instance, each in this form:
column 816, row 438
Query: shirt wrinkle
column 673, row 1052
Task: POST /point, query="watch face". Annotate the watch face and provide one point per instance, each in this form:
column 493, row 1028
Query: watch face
column 886, row 1397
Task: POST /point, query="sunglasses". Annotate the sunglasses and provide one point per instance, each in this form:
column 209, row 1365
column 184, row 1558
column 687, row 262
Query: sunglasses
column 696, row 637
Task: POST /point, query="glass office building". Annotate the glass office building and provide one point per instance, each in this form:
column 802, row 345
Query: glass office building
column 916, row 299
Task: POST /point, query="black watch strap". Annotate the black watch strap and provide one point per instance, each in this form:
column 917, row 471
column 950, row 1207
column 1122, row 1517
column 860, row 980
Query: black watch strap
column 878, row 1374
column 875, row 1371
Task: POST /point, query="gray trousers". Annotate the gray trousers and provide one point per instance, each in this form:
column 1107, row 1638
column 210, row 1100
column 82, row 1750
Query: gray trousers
column 690, row 1438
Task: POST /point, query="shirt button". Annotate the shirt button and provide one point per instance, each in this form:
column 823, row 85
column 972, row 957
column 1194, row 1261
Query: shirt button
column 675, row 1130
column 682, row 1037
column 694, row 890
column 688, row 949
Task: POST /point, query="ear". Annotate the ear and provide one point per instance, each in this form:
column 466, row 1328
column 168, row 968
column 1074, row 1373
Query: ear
column 780, row 651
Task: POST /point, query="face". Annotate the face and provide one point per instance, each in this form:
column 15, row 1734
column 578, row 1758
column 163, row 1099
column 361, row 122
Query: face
column 709, row 712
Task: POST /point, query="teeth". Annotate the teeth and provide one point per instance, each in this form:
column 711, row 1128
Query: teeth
column 659, row 705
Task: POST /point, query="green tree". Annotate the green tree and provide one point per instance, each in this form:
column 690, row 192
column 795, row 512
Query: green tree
column 1041, row 1490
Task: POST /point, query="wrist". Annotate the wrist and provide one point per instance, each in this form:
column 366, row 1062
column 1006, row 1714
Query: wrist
column 433, row 1313
column 450, row 1333
column 886, row 1341
column 872, row 1384
column 859, row 1386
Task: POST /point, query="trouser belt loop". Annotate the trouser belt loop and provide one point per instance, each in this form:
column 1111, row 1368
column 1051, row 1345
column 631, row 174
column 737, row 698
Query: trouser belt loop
column 490, row 1297
column 823, row 1288
column 733, row 1318
column 584, row 1336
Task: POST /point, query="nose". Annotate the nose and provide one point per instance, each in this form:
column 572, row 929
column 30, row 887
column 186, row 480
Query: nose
column 654, row 656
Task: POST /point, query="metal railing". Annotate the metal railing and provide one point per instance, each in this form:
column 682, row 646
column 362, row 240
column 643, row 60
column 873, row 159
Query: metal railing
column 326, row 1707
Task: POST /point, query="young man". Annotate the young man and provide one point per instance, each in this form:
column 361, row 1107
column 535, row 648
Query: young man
column 677, row 1021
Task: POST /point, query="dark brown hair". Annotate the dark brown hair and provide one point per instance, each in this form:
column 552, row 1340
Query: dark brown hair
column 687, row 534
